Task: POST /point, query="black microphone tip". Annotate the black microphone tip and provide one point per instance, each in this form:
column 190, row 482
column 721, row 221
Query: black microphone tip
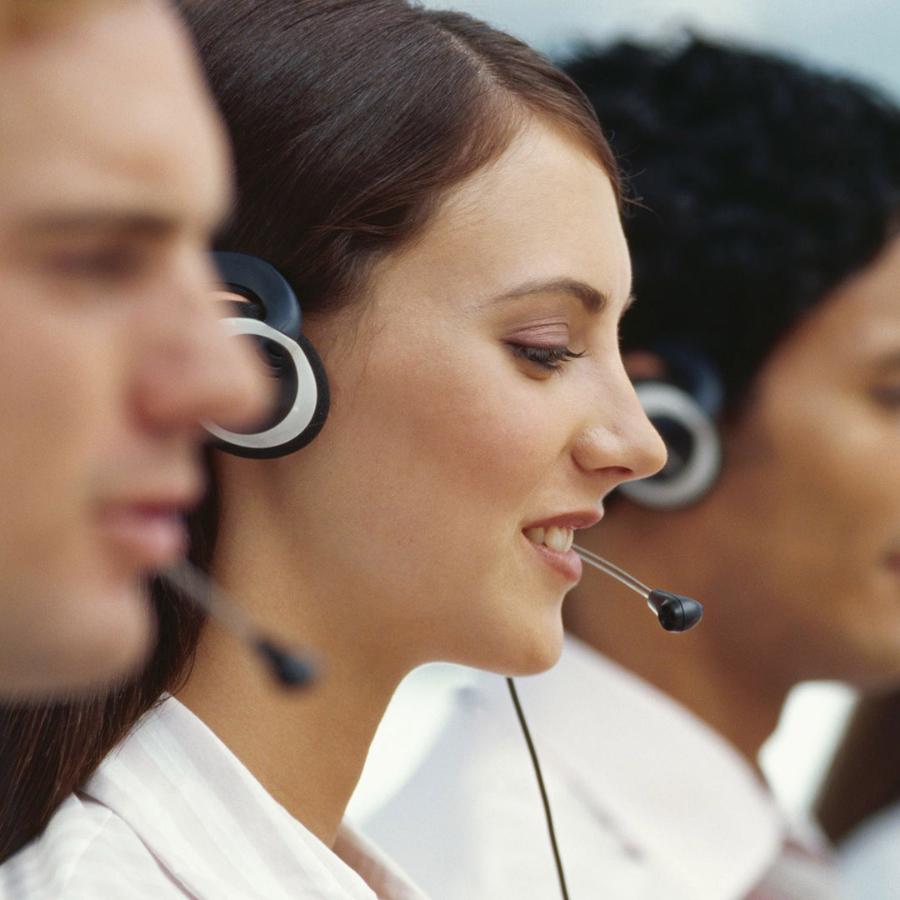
column 289, row 668
column 675, row 611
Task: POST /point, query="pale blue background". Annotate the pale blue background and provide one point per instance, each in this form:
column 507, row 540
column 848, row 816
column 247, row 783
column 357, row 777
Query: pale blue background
column 862, row 37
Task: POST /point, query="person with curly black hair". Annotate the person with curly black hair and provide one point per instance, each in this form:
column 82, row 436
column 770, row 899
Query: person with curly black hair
column 766, row 345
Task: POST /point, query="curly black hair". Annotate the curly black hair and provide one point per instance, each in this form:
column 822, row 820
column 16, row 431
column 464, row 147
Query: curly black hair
column 760, row 186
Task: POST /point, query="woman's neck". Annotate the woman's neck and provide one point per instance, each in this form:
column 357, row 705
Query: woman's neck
column 307, row 747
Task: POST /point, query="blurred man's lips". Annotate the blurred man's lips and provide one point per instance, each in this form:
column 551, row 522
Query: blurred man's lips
column 147, row 535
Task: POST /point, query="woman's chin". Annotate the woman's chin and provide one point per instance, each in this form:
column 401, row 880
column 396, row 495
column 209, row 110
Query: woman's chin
column 534, row 652
column 540, row 659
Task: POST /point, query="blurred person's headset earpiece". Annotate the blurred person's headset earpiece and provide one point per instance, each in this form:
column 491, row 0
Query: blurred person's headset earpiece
column 272, row 316
column 683, row 406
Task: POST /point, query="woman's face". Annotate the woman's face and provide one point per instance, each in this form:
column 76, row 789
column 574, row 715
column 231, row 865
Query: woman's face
column 463, row 422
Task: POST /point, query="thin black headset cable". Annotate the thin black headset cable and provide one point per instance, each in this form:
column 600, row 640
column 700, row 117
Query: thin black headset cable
column 540, row 780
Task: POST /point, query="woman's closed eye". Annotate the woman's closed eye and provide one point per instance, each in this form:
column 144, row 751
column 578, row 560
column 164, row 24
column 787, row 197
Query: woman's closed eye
column 547, row 357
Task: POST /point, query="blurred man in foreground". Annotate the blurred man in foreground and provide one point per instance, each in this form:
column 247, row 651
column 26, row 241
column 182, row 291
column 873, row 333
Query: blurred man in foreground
column 113, row 173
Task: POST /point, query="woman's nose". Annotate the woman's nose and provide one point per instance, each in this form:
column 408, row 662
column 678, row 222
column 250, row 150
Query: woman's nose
column 620, row 440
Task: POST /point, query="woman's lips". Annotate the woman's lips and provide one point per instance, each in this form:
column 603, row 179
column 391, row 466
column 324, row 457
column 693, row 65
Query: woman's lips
column 553, row 536
column 148, row 536
column 554, row 546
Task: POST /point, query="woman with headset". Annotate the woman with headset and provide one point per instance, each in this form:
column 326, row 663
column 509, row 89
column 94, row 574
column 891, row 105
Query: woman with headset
column 445, row 207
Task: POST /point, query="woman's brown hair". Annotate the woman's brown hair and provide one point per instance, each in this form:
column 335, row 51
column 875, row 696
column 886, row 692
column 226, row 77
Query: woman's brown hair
column 350, row 120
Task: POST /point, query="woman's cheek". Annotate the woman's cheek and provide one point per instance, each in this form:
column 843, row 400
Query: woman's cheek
column 487, row 443
column 456, row 420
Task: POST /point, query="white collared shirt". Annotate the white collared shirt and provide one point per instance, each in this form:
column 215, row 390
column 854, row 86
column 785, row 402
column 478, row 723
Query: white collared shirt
column 172, row 813
column 649, row 802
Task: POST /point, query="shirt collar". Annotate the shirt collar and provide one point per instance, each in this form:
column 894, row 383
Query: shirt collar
column 216, row 830
column 676, row 787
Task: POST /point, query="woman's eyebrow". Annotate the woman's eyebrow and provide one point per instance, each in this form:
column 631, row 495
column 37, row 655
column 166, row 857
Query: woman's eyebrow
column 592, row 299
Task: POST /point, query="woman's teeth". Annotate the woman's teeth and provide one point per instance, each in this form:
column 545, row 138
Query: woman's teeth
column 555, row 538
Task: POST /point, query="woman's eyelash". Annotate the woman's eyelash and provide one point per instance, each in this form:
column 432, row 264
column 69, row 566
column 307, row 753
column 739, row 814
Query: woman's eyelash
column 548, row 357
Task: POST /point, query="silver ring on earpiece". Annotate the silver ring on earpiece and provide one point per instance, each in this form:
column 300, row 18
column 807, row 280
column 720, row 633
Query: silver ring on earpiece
column 303, row 408
column 661, row 400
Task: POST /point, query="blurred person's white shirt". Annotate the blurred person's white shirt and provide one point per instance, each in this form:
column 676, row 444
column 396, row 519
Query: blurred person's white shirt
column 648, row 801
column 172, row 813
column 870, row 858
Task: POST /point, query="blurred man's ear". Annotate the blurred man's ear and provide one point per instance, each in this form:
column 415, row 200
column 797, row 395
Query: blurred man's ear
column 642, row 364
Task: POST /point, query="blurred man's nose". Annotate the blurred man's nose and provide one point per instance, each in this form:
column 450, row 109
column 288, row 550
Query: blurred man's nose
column 194, row 370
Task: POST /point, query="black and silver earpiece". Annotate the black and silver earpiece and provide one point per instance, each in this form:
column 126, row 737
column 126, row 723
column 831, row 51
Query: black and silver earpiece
column 274, row 318
column 683, row 409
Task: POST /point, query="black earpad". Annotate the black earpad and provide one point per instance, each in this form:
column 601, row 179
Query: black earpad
column 273, row 318
column 267, row 289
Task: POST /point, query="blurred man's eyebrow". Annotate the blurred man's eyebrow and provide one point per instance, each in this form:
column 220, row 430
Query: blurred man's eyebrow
column 131, row 221
column 125, row 221
column 889, row 361
column 592, row 299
